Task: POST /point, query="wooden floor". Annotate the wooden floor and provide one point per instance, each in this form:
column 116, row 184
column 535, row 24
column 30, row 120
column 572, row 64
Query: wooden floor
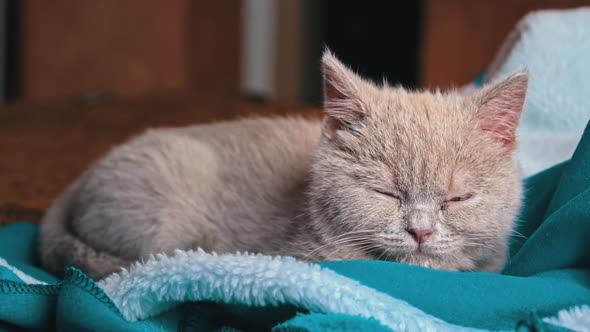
column 45, row 145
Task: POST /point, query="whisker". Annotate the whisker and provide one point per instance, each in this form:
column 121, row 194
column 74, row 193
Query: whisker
column 339, row 238
column 358, row 242
column 516, row 233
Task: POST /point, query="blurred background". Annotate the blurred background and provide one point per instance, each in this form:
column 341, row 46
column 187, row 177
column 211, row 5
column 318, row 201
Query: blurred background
column 77, row 76
column 260, row 48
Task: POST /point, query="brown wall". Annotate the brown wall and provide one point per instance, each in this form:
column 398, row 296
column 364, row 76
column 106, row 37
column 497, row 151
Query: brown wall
column 462, row 36
column 214, row 45
column 131, row 47
column 136, row 47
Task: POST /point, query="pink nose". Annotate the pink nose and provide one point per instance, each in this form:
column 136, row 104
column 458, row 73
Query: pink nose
column 419, row 235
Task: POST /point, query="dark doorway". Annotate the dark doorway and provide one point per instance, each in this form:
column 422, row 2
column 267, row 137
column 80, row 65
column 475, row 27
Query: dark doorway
column 378, row 39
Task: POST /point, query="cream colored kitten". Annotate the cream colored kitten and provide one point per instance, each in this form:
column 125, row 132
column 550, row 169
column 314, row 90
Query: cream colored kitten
column 416, row 177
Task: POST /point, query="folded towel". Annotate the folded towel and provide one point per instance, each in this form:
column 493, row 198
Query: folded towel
column 555, row 47
column 548, row 272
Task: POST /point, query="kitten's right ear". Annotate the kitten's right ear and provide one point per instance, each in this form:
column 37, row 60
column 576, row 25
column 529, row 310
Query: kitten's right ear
column 500, row 106
column 342, row 95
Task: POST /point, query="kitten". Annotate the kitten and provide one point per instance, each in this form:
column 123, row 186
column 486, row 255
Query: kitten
column 416, row 177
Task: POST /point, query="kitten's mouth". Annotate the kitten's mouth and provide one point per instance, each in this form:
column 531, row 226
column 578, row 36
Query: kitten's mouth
column 389, row 254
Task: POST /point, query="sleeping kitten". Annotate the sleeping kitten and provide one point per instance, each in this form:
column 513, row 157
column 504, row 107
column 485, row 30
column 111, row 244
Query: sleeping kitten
column 422, row 178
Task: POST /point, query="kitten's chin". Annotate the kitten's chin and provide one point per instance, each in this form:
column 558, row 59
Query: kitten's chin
column 422, row 256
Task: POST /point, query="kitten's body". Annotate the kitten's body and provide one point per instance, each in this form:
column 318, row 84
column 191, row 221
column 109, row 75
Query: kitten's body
column 303, row 188
column 181, row 188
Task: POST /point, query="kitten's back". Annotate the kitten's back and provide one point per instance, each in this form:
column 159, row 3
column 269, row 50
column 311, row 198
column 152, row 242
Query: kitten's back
column 213, row 186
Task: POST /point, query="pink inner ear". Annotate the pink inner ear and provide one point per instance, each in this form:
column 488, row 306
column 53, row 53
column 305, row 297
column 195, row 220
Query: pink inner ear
column 502, row 125
column 331, row 92
column 502, row 105
column 332, row 125
column 342, row 105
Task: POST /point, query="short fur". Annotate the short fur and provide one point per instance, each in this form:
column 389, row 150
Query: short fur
column 384, row 163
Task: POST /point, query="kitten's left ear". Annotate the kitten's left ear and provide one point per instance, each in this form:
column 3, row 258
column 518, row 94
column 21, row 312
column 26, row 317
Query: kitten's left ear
column 499, row 107
column 343, row 93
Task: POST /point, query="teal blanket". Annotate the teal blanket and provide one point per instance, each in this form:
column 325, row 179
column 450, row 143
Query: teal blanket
column 548, row 272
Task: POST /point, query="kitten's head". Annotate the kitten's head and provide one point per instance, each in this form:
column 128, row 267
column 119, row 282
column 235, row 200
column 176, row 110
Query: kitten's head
column 418, row 177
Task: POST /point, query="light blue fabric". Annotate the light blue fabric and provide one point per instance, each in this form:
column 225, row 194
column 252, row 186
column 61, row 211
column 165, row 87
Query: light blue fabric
column 554, row 45
column 256, row 280
column 256, row 292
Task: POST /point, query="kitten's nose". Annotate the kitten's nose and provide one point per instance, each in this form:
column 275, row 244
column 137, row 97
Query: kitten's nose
column 419, row 235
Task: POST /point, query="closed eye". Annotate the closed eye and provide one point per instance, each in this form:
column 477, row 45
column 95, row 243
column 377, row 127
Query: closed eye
column 388, row 194
column 459, row 198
